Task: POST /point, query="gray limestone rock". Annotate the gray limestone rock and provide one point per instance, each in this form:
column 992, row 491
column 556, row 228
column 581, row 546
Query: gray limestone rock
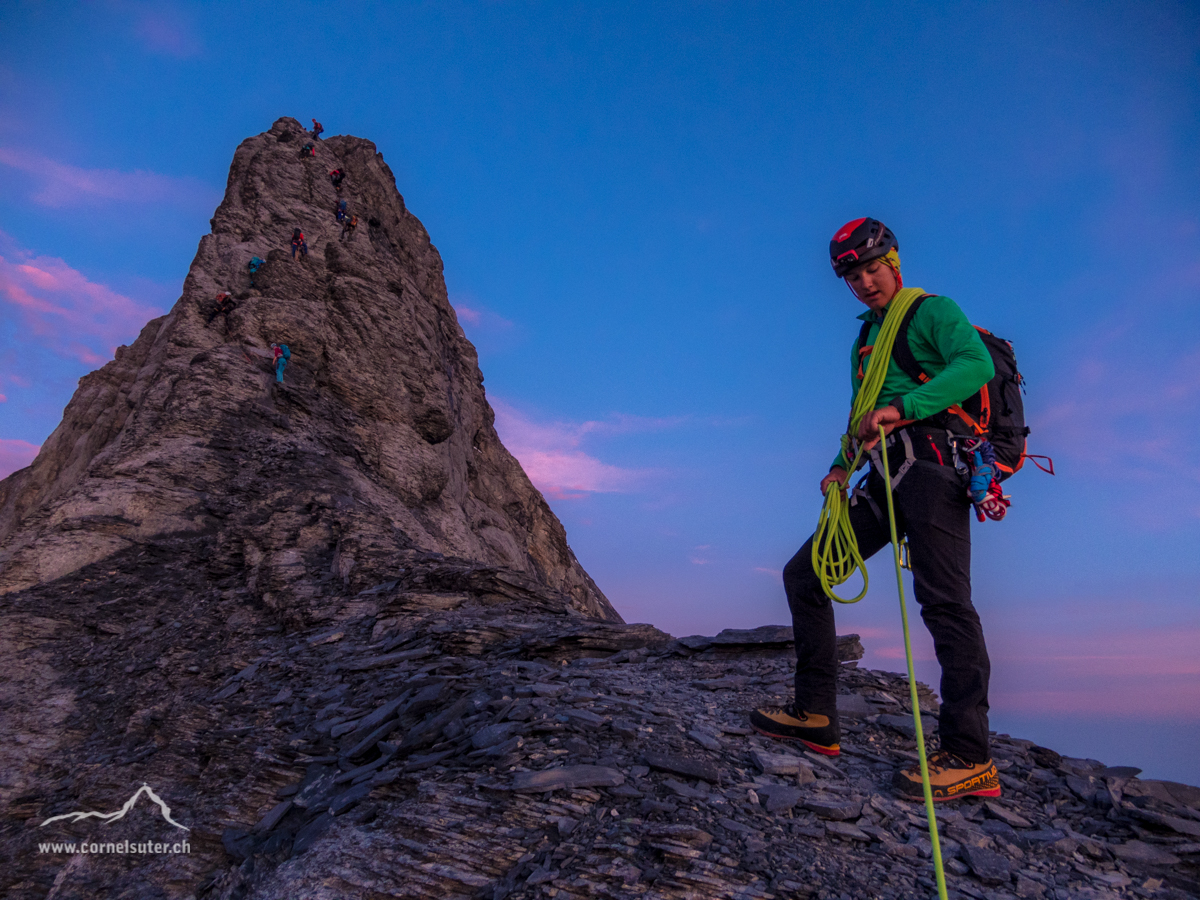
column 1006, row 815
column 989, row 867
column 687, row 766
column 854, row 706
column 1141, row 852
column 567, row 777
column 835, row 808
column 778, row 763
column 777, row 797
column 380, row 430
column 847, row 830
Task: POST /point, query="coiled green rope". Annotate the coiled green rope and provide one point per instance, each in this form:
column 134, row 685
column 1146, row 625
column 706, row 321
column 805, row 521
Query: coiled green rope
column 835, row 555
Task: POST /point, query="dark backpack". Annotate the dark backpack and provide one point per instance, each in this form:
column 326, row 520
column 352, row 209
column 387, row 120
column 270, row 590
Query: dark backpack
column 995, row 412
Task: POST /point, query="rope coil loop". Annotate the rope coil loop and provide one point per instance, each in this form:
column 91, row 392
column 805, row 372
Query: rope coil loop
column 835, row 554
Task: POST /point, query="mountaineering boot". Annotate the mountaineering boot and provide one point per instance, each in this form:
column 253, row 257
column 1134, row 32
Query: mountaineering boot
column 790, row 724
column 949, row 777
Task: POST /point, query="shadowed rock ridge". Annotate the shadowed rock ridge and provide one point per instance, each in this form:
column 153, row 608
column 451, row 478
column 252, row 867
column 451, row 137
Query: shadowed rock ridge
column 379, row 439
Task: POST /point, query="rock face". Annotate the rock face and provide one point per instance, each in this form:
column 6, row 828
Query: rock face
column 379, row 439
column 341, row 641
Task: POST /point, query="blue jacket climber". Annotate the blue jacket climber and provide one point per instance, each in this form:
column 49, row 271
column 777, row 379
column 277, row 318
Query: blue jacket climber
column 281, row 355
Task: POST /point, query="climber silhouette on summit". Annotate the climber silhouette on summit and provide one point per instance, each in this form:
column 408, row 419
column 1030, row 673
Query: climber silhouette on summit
column 298, row 243
column 317, row 128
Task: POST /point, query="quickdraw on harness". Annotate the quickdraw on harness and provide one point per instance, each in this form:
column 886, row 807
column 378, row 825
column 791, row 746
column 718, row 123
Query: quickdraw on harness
column 983, row 488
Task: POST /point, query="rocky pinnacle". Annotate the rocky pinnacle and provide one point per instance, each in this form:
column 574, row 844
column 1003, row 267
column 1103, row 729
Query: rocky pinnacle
column 379, row 439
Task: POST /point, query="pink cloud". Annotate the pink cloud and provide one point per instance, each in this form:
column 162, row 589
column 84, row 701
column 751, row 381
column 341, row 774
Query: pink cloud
column 15, row 455
column 1129, row 670
column 550, row 456
column 60, row 185
column 480, row 318
column 698, row 557
column 473, row 316
column 58, row 307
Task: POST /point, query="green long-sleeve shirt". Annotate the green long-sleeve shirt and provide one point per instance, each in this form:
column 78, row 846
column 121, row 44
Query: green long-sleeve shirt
column 948, row 348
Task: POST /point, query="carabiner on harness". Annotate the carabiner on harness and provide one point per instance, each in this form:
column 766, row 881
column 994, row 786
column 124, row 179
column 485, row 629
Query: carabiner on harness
column 983, row 489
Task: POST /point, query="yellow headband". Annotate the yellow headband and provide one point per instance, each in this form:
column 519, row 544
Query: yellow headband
column 892, row 258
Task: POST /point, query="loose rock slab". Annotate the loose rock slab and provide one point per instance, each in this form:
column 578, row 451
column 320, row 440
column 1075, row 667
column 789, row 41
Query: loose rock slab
column 1141, row 852
column 567, row 777
column 989, row 867
column 688, row 767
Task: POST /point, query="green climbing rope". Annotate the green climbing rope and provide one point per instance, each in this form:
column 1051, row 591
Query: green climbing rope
column 912, row 691
column 835, row 555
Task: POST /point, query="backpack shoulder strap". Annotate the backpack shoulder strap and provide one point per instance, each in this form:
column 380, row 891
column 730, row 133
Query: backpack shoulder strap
column 902, row 353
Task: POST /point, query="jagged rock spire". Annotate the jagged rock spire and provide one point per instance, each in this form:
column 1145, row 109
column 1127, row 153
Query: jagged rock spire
column 378, row 447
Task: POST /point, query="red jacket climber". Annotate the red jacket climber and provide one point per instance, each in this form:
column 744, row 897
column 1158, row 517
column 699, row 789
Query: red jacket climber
column 298, row 243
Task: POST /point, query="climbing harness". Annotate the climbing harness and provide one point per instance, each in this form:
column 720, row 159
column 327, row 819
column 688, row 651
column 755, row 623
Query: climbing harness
column 835, row 554
column 912, row 688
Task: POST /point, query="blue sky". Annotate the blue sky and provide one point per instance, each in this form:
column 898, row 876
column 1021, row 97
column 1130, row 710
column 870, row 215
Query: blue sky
column 634, row 204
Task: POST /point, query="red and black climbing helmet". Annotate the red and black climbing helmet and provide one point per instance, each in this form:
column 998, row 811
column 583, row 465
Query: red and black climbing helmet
column 858, row 242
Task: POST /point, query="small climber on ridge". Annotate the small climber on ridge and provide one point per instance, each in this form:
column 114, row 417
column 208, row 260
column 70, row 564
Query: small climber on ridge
column 341, row 211
column 223, row 306
column 254, row 265
column 281, row 354
column 349, row 223
column 298, row 243
column 317, row 128
column 307, row 150
column 337, row 176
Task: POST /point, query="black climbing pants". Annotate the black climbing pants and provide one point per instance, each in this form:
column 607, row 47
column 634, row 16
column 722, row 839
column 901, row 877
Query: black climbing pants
column 933, row 512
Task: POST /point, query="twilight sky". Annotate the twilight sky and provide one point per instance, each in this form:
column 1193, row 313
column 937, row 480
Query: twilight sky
column 634, row 204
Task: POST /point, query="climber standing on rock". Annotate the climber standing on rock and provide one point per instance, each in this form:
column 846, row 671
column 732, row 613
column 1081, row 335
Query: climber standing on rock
column 281, row 354
column 932, row 511
column 317, row 128
column 298, row 243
